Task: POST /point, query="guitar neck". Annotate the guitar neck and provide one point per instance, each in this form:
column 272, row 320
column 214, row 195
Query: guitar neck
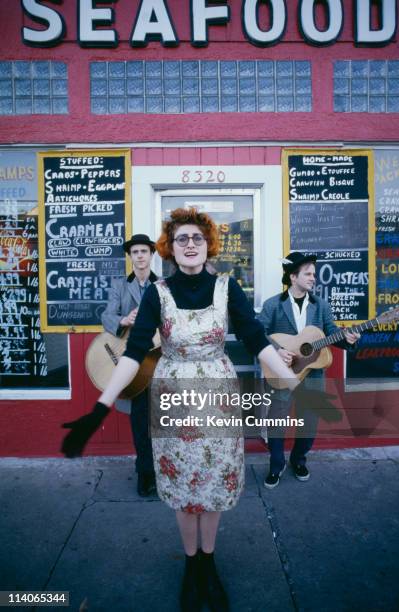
column 340, row 335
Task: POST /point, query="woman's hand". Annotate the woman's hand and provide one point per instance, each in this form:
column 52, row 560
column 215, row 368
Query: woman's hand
column 82, row 429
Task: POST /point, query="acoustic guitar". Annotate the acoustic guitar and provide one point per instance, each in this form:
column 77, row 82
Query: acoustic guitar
column 311, row 347
column 103, row 356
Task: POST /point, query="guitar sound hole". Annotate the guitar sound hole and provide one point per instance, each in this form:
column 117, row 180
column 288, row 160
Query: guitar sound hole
column 306, row 349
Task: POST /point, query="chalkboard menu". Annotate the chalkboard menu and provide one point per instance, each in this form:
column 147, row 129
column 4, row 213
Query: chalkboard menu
column 328, row 210
column 21, row 338
column 377, row 352
column 28, row 358
column 84, row 218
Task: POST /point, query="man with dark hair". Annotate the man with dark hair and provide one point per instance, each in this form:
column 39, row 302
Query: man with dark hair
column 288, row 313
column 123, row 302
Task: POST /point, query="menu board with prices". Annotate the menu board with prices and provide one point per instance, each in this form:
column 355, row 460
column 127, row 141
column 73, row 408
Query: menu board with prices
column 25, row 358
column 328, row 212
column 84, row 218
column 377, row 352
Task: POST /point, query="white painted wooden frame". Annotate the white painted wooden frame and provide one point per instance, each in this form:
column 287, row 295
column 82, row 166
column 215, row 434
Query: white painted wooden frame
column 265, row 182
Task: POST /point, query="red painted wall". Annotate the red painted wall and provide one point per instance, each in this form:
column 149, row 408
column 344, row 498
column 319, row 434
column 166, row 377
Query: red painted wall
column 32, row 428
column 226, row 42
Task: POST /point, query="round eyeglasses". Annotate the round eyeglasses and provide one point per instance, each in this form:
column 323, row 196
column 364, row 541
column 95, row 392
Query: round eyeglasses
column 183, row 239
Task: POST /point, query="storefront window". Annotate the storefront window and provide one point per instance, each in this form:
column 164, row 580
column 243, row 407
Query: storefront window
column 362, row 86
column 38, row 87
column 28, row 359
column 200, row 86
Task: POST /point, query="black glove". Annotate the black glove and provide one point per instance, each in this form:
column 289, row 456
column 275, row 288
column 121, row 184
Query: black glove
column 319, row 401
column 82, row 429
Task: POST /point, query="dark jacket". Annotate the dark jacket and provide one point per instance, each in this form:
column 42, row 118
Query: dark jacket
column 277, row 316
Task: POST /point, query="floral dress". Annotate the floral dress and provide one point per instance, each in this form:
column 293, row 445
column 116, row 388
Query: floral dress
column 196, row 473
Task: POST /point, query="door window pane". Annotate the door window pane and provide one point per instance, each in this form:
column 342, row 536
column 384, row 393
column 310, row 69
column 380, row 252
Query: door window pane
column 234, row 216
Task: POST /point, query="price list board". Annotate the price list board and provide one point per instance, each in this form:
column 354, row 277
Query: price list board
column 25, row 359
column 84, row 218
column 329, row 212
column 23, row 351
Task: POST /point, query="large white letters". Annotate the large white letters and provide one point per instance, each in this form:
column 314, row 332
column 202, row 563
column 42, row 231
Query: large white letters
column 46, row 16
column 153, row 22
column 363, row 32
column 89, row 14
column 251, row 26
column 335, row 22
column 201, row 15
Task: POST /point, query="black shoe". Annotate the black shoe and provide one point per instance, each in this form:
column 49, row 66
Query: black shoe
column 146, row 484
column 301, row 472
column 191, row 597
column 273, row 478
column 214, row 593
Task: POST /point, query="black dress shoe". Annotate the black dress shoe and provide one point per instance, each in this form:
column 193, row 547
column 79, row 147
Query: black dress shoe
column 146, row 484
column 214, row 593
column 191, row 597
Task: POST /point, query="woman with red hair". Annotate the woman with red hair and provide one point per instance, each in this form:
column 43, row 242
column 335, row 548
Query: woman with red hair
column 199, row 477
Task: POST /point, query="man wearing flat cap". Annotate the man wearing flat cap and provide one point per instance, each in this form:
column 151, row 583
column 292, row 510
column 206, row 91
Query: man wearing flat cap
column 120, row 314
column 288, row 313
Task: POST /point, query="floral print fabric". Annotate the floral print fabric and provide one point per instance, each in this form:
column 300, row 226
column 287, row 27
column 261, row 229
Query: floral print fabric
column 195, row 473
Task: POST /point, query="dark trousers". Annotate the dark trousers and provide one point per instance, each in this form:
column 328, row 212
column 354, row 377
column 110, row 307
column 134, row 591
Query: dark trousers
column 140, row 431
column 298, row 453
column 304, row 437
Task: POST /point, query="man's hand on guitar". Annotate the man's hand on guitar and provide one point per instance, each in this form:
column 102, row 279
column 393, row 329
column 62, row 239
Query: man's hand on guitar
column 351, row 337
column 317, row 400
column 286, row 356
column 130, row 319
column 82, row 429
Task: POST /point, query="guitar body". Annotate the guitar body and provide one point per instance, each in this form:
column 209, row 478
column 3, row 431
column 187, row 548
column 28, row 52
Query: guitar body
column 103, row 356
column 306, row 359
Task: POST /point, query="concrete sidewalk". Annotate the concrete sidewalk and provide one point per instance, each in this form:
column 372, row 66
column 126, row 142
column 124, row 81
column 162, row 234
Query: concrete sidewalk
column 330, row 544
